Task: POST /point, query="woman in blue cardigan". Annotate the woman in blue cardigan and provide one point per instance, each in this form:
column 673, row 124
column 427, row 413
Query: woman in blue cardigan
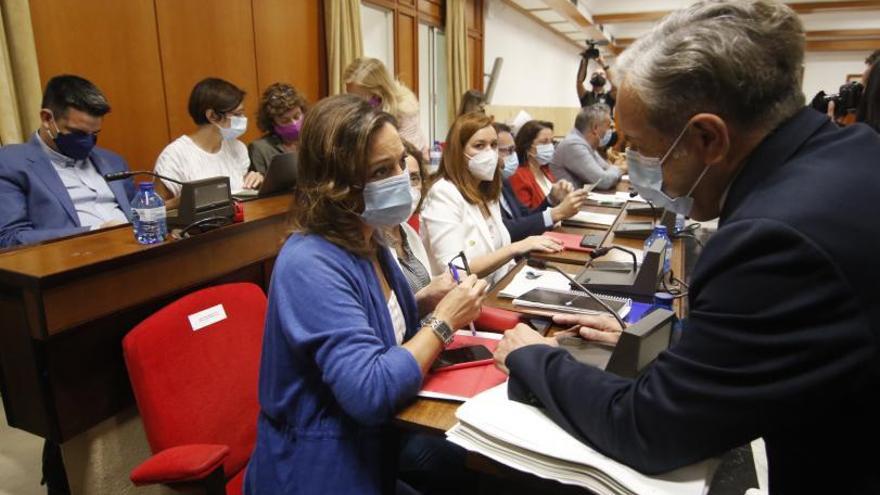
column 343, row 348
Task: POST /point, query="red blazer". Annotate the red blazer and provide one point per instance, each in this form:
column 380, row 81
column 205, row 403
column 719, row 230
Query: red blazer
column 526, row 187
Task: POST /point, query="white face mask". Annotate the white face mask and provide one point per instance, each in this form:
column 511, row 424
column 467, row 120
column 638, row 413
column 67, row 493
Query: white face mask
column 416, row 197
column 484, row 164
column 544, row 153
column 237, row 126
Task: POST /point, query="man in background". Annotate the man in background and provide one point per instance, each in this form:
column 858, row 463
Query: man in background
column 53, row 185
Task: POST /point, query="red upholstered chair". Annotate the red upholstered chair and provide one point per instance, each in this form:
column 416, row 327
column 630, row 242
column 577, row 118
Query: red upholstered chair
column 196, row 388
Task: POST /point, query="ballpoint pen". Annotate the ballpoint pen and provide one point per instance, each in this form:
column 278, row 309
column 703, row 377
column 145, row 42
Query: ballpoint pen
column 455, row 277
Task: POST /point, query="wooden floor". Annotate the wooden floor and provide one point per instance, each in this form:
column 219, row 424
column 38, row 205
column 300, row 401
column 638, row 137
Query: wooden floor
column 19, row 460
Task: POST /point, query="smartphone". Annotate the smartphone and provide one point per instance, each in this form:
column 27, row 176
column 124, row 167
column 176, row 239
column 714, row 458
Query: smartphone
column 592, row 240
column 462, row 357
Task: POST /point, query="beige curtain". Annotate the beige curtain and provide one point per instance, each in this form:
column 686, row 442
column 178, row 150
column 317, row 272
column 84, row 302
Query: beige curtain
column 20, row 93
column 342, row 22
column 457, row 73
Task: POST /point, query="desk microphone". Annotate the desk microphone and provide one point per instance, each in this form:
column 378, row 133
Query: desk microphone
column 128, row 173
column 602, row 251
column 542, row 265
column 633, row 194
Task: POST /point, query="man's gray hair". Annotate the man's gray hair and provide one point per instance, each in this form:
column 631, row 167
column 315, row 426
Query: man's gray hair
column 739, row 59
column 591, row 115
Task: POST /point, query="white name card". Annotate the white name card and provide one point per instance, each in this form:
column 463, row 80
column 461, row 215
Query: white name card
column 207, row 317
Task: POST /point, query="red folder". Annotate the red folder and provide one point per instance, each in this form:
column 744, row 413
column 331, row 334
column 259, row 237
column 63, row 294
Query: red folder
column 463, row 383
column 571, row 242
column 496, row 320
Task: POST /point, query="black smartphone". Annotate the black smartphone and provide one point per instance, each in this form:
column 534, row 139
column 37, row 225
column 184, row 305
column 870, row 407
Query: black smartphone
column 461, row 356
column 592, row 240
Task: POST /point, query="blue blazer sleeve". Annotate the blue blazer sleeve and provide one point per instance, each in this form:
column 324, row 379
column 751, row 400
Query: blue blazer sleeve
column 325, row 312
column 16, row 225
column 522, row 222
column 766, row 320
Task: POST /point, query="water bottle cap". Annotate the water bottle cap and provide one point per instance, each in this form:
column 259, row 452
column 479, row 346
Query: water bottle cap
column 145, row 186
column 660, row 228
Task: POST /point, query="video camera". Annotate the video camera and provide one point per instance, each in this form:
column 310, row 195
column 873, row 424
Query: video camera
column 845, row 101
column 592, row 52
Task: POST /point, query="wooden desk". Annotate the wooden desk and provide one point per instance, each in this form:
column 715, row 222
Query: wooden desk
column 66, row 305
column 436, row 415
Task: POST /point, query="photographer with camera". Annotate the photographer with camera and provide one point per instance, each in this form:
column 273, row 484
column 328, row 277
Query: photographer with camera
column 598, row 80
column 840, row 107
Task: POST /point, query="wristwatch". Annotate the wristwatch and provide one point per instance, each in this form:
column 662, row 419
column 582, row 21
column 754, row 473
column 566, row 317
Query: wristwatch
column 441, row 330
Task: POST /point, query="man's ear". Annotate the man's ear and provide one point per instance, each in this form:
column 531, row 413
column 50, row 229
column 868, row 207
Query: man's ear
column 713, row 137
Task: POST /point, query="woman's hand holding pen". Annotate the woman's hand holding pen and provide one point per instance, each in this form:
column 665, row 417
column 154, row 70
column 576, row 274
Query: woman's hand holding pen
column 436, row 290
column 462, row 304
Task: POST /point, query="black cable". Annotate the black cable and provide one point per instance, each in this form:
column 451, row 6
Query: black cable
column 210, row 222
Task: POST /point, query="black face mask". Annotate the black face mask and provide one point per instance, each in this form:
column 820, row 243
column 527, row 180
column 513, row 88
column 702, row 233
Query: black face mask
column 598, row 80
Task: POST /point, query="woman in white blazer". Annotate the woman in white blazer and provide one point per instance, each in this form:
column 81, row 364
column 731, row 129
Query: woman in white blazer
column 461, row 211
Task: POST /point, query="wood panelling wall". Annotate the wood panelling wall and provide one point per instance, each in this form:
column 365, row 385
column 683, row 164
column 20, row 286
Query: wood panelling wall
column 476, row 24
column 146, row 55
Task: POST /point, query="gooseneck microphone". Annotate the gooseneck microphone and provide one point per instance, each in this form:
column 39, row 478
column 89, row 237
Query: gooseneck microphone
column 542, row 265
column 602, row 251
column 129, row 173
column 633, row 194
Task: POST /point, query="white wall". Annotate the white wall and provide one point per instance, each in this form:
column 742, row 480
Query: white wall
column 828, row 70
column 539, row 67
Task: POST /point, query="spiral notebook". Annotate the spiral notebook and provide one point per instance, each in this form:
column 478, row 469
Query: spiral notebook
column 567, row 301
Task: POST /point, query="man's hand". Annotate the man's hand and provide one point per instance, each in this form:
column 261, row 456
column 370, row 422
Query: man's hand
column 598, row 328
column 519, row 336
column 569, row 206
column 252, row 180
column 560, row 190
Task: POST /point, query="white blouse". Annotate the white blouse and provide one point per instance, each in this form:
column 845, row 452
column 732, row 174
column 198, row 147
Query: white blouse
column 185, row 161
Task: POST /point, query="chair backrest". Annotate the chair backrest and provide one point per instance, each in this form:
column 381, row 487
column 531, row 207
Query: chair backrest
column 194, row 368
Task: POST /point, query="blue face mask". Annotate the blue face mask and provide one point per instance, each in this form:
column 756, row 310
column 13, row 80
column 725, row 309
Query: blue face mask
column 511, row 163
column 77, row 145
column 387, row 202
column 606, row 138
column 544, row 153
column 646, row 176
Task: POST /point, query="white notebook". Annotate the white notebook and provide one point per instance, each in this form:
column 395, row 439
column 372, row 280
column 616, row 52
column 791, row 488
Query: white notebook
column 532, row 278
column 524, row 438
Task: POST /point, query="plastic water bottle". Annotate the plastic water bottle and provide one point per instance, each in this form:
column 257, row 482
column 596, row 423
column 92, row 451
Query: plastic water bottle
column 436, row 154
column 660, row 233
column 148, row 215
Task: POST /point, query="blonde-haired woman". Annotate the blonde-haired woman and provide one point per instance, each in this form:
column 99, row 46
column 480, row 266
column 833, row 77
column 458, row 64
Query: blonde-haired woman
column 369, row 78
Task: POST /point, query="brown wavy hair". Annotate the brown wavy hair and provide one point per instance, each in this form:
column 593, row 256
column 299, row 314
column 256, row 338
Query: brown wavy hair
column 278, row 99
column 333, row 153
column 454, row 165
column 416, row 153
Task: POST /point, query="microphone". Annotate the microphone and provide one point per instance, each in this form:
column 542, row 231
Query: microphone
column 125, row 175
column 602, row 251
column 633, row 194
column 542, row 265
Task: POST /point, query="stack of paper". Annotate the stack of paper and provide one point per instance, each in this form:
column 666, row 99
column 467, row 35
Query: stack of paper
column 532, row 278
column 590, row 218
column 524, row 438
column 607, row 199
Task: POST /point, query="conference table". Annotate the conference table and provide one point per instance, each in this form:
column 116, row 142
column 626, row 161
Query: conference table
column 65, row 306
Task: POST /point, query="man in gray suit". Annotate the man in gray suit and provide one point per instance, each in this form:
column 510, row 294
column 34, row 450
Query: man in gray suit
column 577, row 159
